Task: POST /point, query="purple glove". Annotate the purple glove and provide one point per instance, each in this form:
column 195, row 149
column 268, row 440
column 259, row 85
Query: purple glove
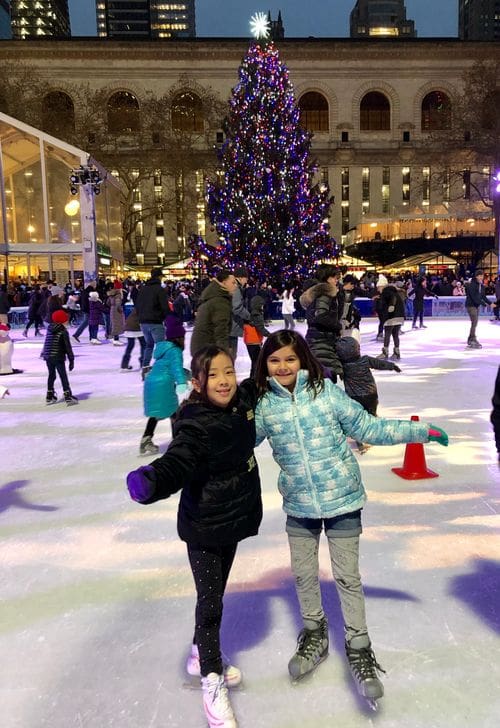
column 141, row 483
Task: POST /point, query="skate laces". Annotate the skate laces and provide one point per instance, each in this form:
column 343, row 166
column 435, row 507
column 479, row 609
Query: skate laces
column 364, row 662
column 310, row 643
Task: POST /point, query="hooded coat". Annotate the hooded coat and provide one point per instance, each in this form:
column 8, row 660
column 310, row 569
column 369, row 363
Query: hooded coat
column 213, row 318
column 323, row 326
column 114, row 301
column 358, row 379
column 160, row 398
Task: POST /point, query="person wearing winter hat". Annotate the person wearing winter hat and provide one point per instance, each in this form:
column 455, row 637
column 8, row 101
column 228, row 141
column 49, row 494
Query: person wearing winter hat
column 164, row 382
column 6, row 351
column 131, row 333
column 381, row 283
column 240, row 313
column 96, row 310
column 56, row 348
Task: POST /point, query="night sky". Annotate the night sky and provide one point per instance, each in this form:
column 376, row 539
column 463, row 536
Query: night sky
column 320, row 18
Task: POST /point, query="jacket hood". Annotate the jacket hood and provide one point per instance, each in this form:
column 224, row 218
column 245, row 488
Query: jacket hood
column 162, row 348
column 347, row 349
column 256, row 303
column 214, row 290
column 316, row 290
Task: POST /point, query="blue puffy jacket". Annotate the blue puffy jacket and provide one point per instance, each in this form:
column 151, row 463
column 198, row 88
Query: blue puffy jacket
column 160, row 399
column 320, row 476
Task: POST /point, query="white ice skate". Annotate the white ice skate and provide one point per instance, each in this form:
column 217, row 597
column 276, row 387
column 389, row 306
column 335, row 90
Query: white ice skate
column 216, row 702
column 232, row 675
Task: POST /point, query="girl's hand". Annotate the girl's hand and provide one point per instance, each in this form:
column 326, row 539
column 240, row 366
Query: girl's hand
column 436, row 434
column 141, row 483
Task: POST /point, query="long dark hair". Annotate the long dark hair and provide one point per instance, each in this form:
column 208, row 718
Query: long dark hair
column 200, row 367
column 308, row 361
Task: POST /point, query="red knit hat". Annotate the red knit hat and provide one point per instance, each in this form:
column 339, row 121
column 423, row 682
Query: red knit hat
column 60, row 317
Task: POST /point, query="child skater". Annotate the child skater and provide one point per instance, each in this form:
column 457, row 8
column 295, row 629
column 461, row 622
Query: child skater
column 255, row 330
column 165, row 381
column 56, row 348
column 359, row 382
column 211, row 459
column 96, row 311
column 307, row 420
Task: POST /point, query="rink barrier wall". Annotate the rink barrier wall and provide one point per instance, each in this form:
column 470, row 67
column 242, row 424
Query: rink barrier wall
column 444, row 306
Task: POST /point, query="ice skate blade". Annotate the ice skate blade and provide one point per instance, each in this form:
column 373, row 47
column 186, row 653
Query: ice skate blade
column 373, row 704
column 300, row 678
column 193, row 682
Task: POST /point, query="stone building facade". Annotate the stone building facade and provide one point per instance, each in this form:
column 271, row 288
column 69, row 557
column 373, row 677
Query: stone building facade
column 374, row 106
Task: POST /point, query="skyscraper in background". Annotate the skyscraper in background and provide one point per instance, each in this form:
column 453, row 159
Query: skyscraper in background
column 5, row 31
column 148, row 19
column 479, row 20
column 40, row 18
column 372, row 18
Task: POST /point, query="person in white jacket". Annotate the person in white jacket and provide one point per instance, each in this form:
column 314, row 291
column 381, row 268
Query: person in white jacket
column 288, row 306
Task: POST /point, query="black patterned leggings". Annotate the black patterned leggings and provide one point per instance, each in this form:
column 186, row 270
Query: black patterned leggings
column 210, row 567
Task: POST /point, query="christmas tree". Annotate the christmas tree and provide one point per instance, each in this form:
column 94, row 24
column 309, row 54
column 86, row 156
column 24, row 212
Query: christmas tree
column 269, row 213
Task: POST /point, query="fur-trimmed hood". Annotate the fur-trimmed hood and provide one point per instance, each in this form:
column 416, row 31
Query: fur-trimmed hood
column 318, row 289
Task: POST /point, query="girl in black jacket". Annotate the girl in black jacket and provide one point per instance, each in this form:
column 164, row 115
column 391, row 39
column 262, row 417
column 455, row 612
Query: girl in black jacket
column 211, row 460
column 56, row 348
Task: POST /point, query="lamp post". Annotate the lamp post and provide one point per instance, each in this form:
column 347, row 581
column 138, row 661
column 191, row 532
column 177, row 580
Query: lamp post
column 87, row 178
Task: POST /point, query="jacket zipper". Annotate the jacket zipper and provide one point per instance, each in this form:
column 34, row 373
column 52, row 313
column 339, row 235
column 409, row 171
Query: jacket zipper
column 298, row 430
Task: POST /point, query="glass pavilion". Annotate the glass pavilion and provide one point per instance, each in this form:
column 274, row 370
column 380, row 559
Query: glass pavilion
column 45, row 230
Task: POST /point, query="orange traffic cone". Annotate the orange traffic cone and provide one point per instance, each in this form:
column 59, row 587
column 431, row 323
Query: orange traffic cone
column 414, row 465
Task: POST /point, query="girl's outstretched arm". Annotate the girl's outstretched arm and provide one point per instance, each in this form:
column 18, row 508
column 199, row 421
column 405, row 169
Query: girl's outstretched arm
column 174, row 469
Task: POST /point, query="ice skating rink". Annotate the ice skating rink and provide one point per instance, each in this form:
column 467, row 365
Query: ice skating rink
column 96, row 597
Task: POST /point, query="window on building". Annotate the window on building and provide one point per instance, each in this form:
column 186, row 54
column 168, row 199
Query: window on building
column 405, row 184
column 386, row 189
column 314, row 112
column 436, row 112
column 58, row 114
column 187, row 112
column 365, row 190
column 344, row 205
column 375, row 112
column 123, row 113
column 490, row 117
column 426, row 186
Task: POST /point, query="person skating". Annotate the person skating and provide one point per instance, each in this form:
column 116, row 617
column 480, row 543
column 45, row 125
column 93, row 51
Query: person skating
column 358, row 380
column 475, row 297
column 211, row 460
column 418, row 293
column 307, row 420
column 392, row 312
column 56, row 348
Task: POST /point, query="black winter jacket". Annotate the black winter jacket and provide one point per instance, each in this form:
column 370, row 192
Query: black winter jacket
column 392, row 306
column 358, row 379
column 57, row 344
column 323, row 325
column 475, row 294
column 211, row 459
column 152, row 303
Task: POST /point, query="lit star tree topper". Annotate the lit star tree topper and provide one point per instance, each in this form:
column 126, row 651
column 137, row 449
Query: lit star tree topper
column 259, row 26
column 266, row 203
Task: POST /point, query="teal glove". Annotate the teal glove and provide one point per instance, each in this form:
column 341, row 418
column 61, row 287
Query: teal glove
column 436, row 434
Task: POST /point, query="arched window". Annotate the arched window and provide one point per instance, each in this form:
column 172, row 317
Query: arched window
column 187, row 112
column 436, row 112
column 123, row 113
column 375, row 112
column 58, row 113
column 490, row 117
column 314, row 112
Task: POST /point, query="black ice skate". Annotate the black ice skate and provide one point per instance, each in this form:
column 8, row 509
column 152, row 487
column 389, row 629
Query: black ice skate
column 364, row 667
column 396, row 354
column 312, row 649
column 69, row 398
column 384, row 354
column 51, row 397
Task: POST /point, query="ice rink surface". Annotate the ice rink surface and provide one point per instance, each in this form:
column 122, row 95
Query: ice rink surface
column 97, row 599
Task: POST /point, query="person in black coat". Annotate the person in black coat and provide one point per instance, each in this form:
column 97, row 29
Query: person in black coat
column 321, row 305
column 56, row 348
column 211, row 460
column 417, row 294
column 475, row 297
column 34, row 317
column 152, row 309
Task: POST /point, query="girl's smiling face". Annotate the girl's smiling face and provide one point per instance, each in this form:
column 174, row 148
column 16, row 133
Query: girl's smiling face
column 283, row 365
column 221, row 385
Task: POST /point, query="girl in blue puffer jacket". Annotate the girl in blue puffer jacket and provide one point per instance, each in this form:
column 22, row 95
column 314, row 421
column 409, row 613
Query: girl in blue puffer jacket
column 307, row 420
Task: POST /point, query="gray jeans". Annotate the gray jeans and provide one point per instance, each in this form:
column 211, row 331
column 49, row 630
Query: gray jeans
column 473, row 312
column 344, row 557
